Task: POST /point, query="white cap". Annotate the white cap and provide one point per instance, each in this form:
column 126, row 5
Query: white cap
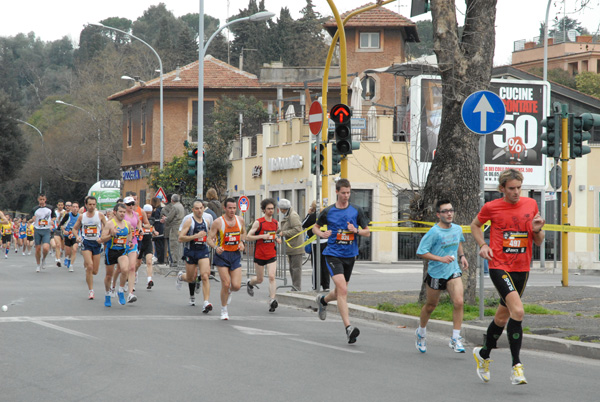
column 128, row 200
column 147, row 208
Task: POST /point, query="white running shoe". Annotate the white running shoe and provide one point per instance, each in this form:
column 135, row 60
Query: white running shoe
column 91, row 295
column 207, row 307
column 456, row 345
column 178, row 281
column 192, row 301
column 420, row 342
column 483, row 365
column 37, row 269
column 131, row 298
column 517, row 376
column 229, row 298
column 224, row 314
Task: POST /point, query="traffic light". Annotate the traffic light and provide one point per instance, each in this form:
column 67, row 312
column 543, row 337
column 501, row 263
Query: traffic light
column 192, row 161
column 552, row 135
column 578, row 133
column 316, row 158
column 336, row 160
column 419, row 7
column 341, row 116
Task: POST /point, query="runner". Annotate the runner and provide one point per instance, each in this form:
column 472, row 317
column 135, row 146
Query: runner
column 7, row 230
column 42, row 222
column 515, row 225
column 91, row 224
column 144, row 224
column 23, row 235
column 57, row 241
column 439, row 247
column 70, row 241
column 16, row 227
column 146, row 252
column 264, row 230
column 29, row 240
column 346, row 221
column 135, row 223
column 196, row 254
column 228, row 247
column 117, row 234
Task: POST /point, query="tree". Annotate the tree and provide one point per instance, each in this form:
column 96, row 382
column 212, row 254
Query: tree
column 187, row 48
column 309, row 43
column 250, row 35
column 174, row 177
column 465, row 62
column 557, row 75
column 13, row 149
column 588, row 83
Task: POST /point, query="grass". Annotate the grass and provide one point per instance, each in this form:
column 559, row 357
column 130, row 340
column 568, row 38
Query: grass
column 597, row 316
column 573, row 338
column 444, row 309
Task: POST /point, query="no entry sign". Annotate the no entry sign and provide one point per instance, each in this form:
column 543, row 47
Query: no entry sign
column 315, row 117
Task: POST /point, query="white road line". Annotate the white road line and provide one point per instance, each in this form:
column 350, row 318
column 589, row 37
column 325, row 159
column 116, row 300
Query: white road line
column 256, row 331
column 399, row 271
column 62, row 329
column 326, row 346
column 152, row 317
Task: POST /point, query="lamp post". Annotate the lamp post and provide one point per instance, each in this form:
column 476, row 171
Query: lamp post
column 162, row 137
column 97, row 129
column 41, row 135
column 258, row 17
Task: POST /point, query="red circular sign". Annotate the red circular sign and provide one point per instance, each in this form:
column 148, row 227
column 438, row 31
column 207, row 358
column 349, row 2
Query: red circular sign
column 243, row 203
column 315, row 117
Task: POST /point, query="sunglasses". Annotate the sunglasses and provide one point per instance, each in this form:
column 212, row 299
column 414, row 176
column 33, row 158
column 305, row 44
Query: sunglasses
column 130, row 204
column 445, row 211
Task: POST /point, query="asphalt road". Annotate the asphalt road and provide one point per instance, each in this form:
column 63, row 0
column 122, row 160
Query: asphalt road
column 55, row 345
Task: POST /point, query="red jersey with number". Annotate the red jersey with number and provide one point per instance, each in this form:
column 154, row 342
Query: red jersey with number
column 511, row 237
column 266, row 248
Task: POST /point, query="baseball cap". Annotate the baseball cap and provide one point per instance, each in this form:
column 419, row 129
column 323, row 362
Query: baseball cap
column 128, row 200
column 147, row 208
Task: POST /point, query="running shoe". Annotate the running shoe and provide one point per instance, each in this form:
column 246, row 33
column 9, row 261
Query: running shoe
column 198, row 281
column 150, row 284
column 23, row 253
column 321, row 308
column 113, row 292
column 42, row 264
column 107, row 302
column 229, row 298
column 192, row 301
column 273, row 305
column 420, row 342
column 66, row 263
column 178, row 281
column 131, row 298
column 483, row 365
column 5, row 256
column 352, row 333
column 37, row 269
column 58, row 264
column 70, row 268
column 456, row 345
column 224, row 314
column 207, row 307
column 126, row 287
column 91, row 295
column 121, row 298
column 517, row 376
column 250, row 289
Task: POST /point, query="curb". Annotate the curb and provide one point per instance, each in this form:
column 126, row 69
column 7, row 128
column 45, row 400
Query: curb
column 473, row 334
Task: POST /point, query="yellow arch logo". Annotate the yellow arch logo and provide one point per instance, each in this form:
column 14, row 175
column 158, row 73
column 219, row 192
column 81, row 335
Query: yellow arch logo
column 387, row 162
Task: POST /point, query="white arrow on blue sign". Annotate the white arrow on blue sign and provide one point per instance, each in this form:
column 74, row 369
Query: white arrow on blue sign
column 483, row 112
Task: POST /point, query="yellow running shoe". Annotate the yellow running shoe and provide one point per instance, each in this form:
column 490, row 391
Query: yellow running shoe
column 517, row 377
column 483, row 365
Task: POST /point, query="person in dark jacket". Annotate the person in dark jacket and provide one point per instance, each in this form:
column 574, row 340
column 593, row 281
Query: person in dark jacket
column 159, row 240
column 309, row 220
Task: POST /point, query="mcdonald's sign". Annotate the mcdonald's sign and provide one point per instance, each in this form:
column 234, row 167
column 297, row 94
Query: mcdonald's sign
column 388, row 162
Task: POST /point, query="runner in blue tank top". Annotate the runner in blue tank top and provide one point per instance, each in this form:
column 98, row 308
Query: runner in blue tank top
column 344, row 223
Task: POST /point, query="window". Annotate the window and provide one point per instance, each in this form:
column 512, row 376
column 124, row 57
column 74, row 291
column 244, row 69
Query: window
column 369, row 40
column 143, row 123
column 142, row 198
column 368, row 87
column 275, row 195
column 129, row 126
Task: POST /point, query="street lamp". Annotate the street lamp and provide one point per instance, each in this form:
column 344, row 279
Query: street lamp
column 258, row 17
column 41, row 135
column 134, row 79
column 98, row 130
column 162, row 137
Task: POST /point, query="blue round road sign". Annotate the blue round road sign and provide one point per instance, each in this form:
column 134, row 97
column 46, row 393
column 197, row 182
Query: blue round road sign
column 483, row 112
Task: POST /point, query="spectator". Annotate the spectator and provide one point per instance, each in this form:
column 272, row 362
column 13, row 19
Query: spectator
column 213, row 202
column 159, row 240
column 173, row 220
column 311, row 219
column 167, row 226
column 291, row 225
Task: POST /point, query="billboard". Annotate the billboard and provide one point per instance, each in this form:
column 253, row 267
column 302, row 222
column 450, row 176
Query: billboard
column 107, row 192
column 516, row 144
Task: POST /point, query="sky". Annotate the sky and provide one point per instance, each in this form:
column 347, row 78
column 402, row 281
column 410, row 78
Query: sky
column 51, row 20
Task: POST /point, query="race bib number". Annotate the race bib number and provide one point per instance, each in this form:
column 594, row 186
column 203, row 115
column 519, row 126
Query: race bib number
column 515, row 242
column 91, row 231
column 232, row 239
column 344, row 237
column 121, row 241
column 147, row 230
column 271, row 238
column 200, row 241
column 43, row 222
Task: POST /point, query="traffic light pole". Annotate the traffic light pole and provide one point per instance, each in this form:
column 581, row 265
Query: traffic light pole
column 565, row 198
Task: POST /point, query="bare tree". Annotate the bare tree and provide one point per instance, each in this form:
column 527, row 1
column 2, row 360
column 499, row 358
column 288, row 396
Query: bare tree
column 465, row 62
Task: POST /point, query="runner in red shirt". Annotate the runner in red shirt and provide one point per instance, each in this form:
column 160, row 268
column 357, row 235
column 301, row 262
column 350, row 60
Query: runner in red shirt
column 515, row 225
column 264, row 231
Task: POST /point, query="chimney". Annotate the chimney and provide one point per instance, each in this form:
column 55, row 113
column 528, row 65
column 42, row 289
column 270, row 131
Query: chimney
column 177, row 72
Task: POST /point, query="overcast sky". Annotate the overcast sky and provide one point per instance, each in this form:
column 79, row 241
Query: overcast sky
column 51, row 20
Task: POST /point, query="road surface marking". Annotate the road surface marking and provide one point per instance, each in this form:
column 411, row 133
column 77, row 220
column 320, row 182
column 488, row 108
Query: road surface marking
column 256, row 331
column 326, row 346
column 62, row 329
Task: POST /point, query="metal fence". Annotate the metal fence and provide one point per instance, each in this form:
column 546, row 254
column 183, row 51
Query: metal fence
column 281, row 272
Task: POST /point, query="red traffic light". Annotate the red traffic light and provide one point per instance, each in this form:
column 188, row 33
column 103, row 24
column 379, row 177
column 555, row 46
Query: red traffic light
column 340, row 113
column 195, row 152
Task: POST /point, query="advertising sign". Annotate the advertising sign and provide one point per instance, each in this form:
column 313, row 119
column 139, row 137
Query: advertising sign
column 107, row 192
column 516, row 144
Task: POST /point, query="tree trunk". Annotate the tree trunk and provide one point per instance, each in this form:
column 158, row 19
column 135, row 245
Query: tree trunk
column 465, row 65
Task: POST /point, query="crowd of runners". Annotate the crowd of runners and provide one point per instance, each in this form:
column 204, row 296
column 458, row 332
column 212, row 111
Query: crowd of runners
column 123, row 238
